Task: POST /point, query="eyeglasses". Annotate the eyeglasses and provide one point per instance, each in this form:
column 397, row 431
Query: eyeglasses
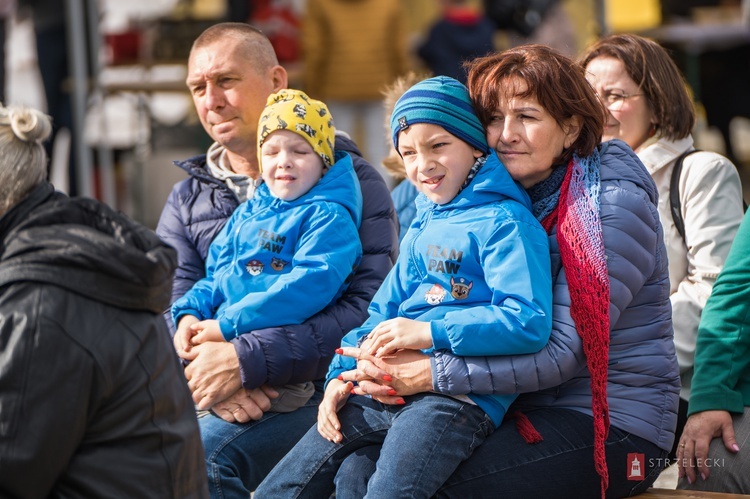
column 614, row 99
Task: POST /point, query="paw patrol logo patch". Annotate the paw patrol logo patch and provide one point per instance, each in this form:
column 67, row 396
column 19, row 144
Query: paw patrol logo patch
column 278, row 264
column 460, row 289
column 254, row 267
column 435, row 295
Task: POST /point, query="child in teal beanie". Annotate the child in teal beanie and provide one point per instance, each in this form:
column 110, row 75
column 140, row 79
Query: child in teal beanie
column 472, row 277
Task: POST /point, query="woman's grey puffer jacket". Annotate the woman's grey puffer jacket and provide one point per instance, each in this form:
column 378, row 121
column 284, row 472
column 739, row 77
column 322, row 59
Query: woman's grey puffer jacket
column 643, row 379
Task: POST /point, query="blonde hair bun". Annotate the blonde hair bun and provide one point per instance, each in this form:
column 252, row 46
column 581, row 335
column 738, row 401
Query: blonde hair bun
column 28, row 124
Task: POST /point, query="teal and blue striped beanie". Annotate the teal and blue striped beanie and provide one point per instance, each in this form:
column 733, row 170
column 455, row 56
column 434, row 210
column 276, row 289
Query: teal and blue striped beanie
column 441, row 101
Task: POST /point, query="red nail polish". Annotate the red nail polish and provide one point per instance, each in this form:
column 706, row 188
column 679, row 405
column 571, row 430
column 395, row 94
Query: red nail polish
column 400, row 401
column 352, row 392
column 339, row 351
column 392, row 392
column 340, row 377
column 387, row 377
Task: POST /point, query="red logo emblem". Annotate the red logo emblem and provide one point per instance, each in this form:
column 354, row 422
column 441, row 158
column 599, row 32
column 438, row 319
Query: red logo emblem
column 636, row 466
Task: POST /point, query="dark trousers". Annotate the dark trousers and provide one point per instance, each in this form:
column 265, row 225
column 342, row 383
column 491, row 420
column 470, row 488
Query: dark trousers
column 560, row 466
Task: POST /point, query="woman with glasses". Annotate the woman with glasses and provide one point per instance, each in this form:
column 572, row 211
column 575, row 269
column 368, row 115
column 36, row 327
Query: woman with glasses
column 649, row 108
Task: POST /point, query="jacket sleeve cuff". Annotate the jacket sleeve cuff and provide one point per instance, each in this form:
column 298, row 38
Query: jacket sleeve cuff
column 227, row 329
column 182, row 313
column 253, row 372
column 437, row 366
column 717, row 399
column 439, row 332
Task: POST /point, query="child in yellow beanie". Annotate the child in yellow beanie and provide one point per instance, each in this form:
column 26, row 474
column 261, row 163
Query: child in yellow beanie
column 288, row 252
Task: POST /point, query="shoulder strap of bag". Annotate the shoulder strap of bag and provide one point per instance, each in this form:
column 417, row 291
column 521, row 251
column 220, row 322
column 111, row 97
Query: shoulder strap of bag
column 674, row 193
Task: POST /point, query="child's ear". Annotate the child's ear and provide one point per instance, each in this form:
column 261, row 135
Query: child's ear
column 572, row 130
column 478, row 153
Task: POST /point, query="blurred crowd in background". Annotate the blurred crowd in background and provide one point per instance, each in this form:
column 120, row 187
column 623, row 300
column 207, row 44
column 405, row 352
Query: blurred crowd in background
column 132, row 92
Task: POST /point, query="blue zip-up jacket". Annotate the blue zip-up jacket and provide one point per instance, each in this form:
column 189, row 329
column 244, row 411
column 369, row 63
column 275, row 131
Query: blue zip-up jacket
column 643, row 379
column 197, row 209
column 478, row 270
column 279, row 262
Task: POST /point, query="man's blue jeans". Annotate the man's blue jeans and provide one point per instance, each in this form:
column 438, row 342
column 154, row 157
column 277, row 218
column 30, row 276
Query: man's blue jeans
column 421, row 443
column 239, row 456
column 560, row 466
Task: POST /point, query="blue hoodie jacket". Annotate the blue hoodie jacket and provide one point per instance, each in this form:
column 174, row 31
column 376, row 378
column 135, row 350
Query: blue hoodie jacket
column 478, row 269
column 280, row 262
column 199, row 206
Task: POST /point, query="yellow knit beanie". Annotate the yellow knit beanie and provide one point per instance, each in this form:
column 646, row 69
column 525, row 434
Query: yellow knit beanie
column 293, row 110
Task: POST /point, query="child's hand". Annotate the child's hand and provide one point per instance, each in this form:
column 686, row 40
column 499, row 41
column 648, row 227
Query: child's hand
column 183, row 334
column 336, row 394
column 397, row 334
column 207, row 330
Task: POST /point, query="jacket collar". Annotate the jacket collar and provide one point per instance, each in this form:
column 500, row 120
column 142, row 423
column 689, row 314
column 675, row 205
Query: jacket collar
column 663, row 152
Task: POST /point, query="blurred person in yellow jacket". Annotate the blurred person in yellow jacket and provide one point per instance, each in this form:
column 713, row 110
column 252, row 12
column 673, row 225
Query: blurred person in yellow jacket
column 352, row 49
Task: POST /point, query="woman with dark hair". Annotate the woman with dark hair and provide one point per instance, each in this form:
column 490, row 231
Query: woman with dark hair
column 700, row 193
column 599, row 401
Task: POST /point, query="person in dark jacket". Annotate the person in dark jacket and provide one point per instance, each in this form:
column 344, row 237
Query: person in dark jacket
column 93, row 400
column 461, row 34
column 232, row 69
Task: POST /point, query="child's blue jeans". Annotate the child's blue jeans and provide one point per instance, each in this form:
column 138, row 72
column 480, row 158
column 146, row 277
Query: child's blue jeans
column 422, row 443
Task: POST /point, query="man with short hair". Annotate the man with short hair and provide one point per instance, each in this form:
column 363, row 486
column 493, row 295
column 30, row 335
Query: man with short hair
column 232, row 69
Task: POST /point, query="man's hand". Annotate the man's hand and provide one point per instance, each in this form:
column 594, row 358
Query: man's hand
column 245, row 405
column 700, row 429
column 213, row 373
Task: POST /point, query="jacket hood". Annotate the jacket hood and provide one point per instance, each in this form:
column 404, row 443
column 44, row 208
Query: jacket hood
column 338, row 185
column 345, row 143
column 491, row 183
column 86, row 247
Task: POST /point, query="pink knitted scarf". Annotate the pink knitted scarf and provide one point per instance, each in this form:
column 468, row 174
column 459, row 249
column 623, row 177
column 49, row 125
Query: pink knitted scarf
column 579, row 235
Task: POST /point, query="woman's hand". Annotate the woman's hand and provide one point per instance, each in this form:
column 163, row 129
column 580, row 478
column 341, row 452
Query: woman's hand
column 396, row 334
column 334, row 399
column 700, row 429
column 389, row 379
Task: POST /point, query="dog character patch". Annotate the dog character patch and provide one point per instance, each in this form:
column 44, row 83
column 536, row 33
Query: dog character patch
column 254, row 267
column 435, row 295
column 459, row 289
column 278, row 264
